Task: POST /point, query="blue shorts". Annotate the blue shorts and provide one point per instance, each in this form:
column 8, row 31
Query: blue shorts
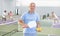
column 30, row 34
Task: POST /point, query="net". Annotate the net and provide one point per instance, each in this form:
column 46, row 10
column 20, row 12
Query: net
column 8, row 28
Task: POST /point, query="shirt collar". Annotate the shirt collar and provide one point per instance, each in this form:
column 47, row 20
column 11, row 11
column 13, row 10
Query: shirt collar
column 31, row 13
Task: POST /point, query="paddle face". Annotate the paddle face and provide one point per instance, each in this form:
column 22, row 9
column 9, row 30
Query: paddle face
column 32, row 24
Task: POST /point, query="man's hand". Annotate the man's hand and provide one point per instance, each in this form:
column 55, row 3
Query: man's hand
column 25, row 26
column 38, row 27
column 22, row 24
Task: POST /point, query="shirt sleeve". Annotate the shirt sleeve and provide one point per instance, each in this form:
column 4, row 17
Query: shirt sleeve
column 22, row 17
column 38, row 18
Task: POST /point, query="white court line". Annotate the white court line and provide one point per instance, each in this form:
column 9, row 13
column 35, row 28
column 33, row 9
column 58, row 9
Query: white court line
column 9, row 22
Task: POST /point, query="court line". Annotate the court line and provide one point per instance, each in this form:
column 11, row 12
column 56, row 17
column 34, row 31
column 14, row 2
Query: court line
column 9, row 22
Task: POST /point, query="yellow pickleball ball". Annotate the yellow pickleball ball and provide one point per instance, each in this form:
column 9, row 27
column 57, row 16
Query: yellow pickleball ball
column 39, row 29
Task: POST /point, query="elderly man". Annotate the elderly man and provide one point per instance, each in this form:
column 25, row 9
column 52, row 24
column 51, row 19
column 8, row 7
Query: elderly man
column 27, row 17
column 54, row 17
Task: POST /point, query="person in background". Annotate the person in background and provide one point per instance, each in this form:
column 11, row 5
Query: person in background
column 10, row 15
column 17, row 12
column 27, row 17
column 54, row 17
column 4, row 15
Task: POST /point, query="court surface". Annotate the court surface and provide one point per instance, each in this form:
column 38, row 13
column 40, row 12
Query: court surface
column 11, row 29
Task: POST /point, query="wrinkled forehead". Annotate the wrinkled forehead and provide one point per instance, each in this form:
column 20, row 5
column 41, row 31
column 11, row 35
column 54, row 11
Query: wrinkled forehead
column 32, row 4
column 52, row 12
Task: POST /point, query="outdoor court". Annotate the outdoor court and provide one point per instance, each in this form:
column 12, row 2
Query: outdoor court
column 10, row 28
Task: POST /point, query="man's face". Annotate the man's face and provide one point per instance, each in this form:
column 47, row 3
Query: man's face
column 52, row 12
column 32, row 7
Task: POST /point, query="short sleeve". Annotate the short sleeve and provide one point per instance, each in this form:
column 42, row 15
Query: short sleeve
column 37, row 18
column 22, row 17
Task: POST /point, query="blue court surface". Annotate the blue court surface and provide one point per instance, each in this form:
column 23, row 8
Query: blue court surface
column 10, row 28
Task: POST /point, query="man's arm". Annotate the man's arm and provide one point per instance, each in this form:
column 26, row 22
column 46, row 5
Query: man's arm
column 38, row 27
column 38, row 24
column 23, row 24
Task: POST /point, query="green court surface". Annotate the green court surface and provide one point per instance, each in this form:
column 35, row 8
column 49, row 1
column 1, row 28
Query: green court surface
column 4, row 29
column 12, row 29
